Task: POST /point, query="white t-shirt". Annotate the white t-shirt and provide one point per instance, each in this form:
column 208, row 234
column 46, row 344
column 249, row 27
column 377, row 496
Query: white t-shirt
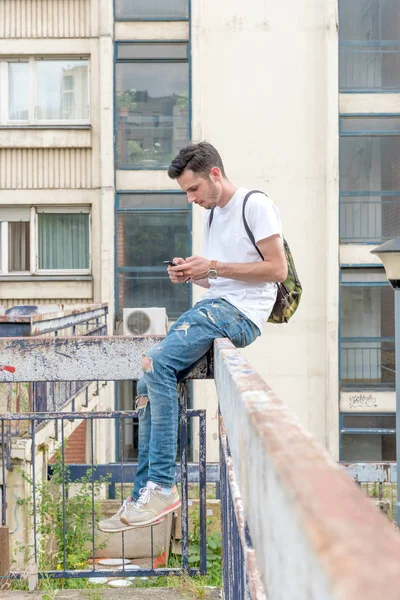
column 227, row 241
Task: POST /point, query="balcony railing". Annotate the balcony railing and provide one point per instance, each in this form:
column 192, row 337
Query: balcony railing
column 369, row 67
column 369, row 220
column 367, row 363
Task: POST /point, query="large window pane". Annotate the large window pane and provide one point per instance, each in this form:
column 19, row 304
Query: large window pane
column 369, row 163
column 148, row 287
column 152, row 113
column 18, row 246
column 368, row 447
column 369, row 187
column 147, row 239
column 63, row 241
column 367, row 336
column 369, row 20
column 18, row 91
column 62, row 90
column 151, row 9
column 144, row 241
column 369, row 33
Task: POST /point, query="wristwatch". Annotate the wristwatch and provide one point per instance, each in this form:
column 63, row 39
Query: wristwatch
column 212, row 272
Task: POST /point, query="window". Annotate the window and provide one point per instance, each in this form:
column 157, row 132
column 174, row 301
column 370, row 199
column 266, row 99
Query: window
column 369, row 178
column 152, row 9
column 369, row 38
column 152, row 103
column 44, row 240
column 41, row 91
column 151, row 228
column 368, row 437
column 367, row 330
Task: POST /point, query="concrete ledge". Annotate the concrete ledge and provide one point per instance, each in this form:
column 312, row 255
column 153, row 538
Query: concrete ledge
column 314, row 533
column 96, row 358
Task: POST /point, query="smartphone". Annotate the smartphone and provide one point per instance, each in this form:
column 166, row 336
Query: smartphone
column 170, row 263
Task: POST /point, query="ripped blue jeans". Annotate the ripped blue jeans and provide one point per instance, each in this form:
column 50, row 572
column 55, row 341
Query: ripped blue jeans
column 189, row 338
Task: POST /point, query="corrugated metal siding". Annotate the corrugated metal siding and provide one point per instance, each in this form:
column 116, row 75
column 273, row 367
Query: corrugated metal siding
column 32, row 301
column 45, row 168
column 44, row 18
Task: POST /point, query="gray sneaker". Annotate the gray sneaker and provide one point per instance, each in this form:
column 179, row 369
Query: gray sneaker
column 114, row 523
column 151, row 506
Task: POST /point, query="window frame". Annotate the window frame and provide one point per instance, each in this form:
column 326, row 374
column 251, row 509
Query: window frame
column 354, row 339
column 32, row 120
column 151, row 61
column 34, row 242
column 345, row 195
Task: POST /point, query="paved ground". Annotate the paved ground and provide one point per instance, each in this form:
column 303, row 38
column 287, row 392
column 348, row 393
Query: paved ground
column 105, row 594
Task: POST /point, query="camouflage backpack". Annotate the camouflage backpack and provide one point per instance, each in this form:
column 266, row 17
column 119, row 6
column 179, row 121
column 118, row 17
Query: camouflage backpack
column 289, row 291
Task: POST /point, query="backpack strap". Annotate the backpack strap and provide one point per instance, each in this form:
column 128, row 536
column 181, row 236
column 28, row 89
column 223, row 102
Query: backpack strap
column 210, row 220
column 246, row 225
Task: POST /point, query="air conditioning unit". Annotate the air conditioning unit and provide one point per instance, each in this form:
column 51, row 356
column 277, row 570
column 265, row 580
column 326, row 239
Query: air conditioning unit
column 144, row 321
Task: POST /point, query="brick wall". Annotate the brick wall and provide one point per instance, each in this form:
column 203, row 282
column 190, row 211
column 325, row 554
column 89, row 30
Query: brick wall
column 75, row 451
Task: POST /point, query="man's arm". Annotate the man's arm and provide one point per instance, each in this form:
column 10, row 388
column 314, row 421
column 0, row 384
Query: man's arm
column 272, row 269
column 204, row 283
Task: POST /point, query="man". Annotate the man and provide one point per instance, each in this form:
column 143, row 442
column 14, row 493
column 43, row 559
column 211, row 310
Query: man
column 241, row 292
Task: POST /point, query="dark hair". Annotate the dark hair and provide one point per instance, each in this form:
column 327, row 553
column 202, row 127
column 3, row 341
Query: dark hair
column 199, row 158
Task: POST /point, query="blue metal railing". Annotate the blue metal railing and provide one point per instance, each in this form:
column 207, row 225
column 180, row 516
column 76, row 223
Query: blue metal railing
column 369, row 220
column 370, row 67
column 235, row 534
column 371, row 364
column 120, row 474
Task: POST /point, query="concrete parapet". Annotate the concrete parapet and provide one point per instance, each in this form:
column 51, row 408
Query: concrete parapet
column 314, row 533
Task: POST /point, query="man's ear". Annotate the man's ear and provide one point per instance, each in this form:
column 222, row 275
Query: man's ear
column 215, row 174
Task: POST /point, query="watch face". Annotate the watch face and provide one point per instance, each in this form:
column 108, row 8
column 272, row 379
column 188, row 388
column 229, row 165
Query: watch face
column 212, row 274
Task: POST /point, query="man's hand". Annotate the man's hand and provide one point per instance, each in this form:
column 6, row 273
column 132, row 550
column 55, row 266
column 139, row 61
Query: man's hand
column 195, row 268
column 176, row 274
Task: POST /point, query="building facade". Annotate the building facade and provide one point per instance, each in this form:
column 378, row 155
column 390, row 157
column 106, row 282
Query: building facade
column 302, row 101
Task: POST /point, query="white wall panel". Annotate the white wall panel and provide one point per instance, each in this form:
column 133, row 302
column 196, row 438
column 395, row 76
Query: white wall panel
column 45, row 18
column 44, row 168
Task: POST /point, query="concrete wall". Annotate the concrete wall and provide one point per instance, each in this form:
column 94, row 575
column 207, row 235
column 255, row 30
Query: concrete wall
column 265, row 93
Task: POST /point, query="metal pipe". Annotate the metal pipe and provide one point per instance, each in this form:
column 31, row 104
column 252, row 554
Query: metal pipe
column 397, row 347
column 34, row 491
column 63, row 494
column 184, row 479
column 92, row 482
column 203, row 495
column 3, row 469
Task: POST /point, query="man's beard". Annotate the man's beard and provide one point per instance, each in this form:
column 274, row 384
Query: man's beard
column 214, row 196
